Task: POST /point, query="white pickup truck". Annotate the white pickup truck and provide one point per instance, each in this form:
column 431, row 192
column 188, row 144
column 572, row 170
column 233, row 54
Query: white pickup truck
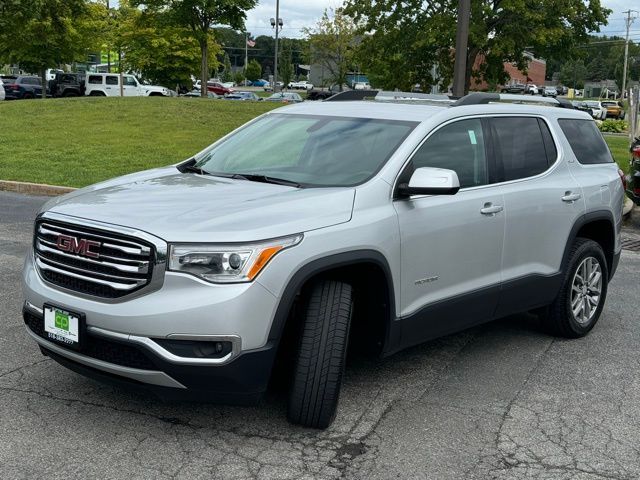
column 108, row 85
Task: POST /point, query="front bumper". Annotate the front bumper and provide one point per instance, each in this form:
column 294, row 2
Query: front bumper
column 115, row 360
column 124, row 339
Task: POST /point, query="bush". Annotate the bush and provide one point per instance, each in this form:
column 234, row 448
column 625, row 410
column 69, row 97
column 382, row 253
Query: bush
column 613, row 126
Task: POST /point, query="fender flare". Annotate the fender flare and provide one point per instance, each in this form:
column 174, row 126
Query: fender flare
column 581, row 222
column 315, row 267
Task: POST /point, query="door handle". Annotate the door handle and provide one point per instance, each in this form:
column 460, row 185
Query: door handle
column 571, row 197
column 490, row 209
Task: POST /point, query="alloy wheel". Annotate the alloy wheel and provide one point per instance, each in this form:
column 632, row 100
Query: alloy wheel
column 586, row 290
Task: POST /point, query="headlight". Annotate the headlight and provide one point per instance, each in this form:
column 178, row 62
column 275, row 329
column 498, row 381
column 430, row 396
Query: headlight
column 226, row 263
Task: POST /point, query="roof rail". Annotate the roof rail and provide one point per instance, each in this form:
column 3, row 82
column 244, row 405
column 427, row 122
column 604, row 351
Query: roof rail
column 352, row 95
column 481, row 98
column 390, row 96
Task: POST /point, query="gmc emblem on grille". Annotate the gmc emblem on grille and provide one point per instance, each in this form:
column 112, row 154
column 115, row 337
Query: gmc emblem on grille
column 80, row 246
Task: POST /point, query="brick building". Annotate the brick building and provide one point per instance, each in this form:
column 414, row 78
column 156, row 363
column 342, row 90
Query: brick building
column 536, row 72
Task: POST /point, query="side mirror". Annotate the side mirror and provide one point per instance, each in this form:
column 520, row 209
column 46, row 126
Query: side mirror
column 431, row 181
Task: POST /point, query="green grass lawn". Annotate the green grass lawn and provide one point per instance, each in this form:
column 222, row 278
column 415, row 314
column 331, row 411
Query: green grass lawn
column 620, row 149
column 79, row 141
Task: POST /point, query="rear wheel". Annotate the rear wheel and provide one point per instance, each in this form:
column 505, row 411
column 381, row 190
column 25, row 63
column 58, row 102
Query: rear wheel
column 28, row 96
column 313, row 398
column 579, row 304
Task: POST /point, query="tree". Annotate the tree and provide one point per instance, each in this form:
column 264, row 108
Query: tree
column 597, row 69
column 41, row 34
column 253, row 71
column 404, row 41
column 162, row 52
column 285, row 69
column 227, row 74
column 332, row 44
column 199, row 16
column 573, row 74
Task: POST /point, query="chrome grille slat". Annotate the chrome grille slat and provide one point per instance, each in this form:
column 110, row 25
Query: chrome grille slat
column 116, row 286
column 94, row 262
column 123, row 268
column 136, row 250
column 122, row 261
column 115, row 278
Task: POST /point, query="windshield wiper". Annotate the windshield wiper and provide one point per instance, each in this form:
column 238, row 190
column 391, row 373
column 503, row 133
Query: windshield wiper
column 254, row 177
column 194, row 169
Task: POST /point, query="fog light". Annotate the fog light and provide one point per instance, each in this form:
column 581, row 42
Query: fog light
column 195, row 348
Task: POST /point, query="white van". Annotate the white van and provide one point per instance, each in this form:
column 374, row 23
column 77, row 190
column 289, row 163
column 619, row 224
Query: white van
column 108, row 85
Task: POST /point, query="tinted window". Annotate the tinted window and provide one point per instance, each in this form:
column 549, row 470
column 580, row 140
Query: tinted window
column 30, row 81
column 308, row 149
column 112, row 80
column 586, row 141
column 459, row 147
column 95, row 79
column 519, row 147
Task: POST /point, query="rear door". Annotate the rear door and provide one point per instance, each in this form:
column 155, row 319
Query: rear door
column 112, row 85
column 542, row 201
column 451, row 245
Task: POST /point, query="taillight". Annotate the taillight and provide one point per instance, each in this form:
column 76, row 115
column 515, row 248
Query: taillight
column 623, row 179
column 635, row 151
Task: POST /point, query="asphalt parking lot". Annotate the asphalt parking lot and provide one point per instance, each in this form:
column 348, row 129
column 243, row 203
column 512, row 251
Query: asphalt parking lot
column 500, row 401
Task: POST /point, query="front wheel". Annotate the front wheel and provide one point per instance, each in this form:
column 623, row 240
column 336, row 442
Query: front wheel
column 580, row 301
column 313, row 398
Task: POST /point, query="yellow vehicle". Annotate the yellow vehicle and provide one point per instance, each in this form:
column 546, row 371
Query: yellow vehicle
column 614, row 109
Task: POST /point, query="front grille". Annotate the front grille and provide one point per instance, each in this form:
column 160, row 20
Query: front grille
column 90, row 261
column 100, row 348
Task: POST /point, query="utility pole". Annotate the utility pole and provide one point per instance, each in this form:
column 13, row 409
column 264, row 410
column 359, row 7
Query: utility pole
column 462, row 37
column 277, row 23
column 108, row 46
column 630, row 20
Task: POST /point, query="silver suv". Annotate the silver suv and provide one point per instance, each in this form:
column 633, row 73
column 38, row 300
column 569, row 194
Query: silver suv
column 377, row 225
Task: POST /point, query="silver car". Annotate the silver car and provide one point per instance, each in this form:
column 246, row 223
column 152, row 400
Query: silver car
column 321, row 225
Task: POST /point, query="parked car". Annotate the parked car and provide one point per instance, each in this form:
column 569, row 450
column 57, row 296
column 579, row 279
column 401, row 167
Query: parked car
column 285, row 97
column 300, row 85
column 5, row 79
column 562, row 90
column 320, row 226
column 582, row 106
column 68, row 85
column 108, row 85
column 633, row 179
column 513, row 88
column 23, row 87
column 243, row 96
column 549, row 92
column 615, row 109
column 532, row 89
column 228, row 84
column 599, row 111
column 196, row 93
column 219, row 89
column 2, row 94
column 361, row 86
column 269, row 88
column 260, row 83
column 51, row 73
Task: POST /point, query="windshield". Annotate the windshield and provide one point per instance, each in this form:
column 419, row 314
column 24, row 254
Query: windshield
column 309, row 150
column 593, row 104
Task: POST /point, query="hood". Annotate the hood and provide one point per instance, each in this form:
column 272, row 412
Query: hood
column 185, row 207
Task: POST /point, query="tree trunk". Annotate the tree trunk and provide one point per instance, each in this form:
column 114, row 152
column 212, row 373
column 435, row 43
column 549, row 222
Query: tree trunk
column 204, row 68
column 43, row 75
column 472, row 53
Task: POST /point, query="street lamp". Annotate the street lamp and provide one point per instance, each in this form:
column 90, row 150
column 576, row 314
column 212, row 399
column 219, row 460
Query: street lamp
column 278, row 26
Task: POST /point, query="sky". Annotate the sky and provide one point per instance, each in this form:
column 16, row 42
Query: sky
column 297, row 14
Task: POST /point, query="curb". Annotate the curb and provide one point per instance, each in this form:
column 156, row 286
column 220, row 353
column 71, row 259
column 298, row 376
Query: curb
column 34, row 188
column 628, row 206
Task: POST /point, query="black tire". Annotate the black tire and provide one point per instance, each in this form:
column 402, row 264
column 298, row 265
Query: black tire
column 97, row 93
column 70, row 94
column 315, row 389
column 559, row 318
column 28, row 96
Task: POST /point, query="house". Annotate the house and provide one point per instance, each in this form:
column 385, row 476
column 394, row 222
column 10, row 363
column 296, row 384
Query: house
column 536, row 72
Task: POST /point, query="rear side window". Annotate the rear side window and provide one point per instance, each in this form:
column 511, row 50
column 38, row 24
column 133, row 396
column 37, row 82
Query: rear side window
column 112, row 80
column 586, row 141
column 520, row 146
column 95, row 79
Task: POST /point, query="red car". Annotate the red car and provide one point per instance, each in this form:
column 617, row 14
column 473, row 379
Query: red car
column 219, row 89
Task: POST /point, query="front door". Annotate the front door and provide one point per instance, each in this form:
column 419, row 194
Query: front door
column 451, row 244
